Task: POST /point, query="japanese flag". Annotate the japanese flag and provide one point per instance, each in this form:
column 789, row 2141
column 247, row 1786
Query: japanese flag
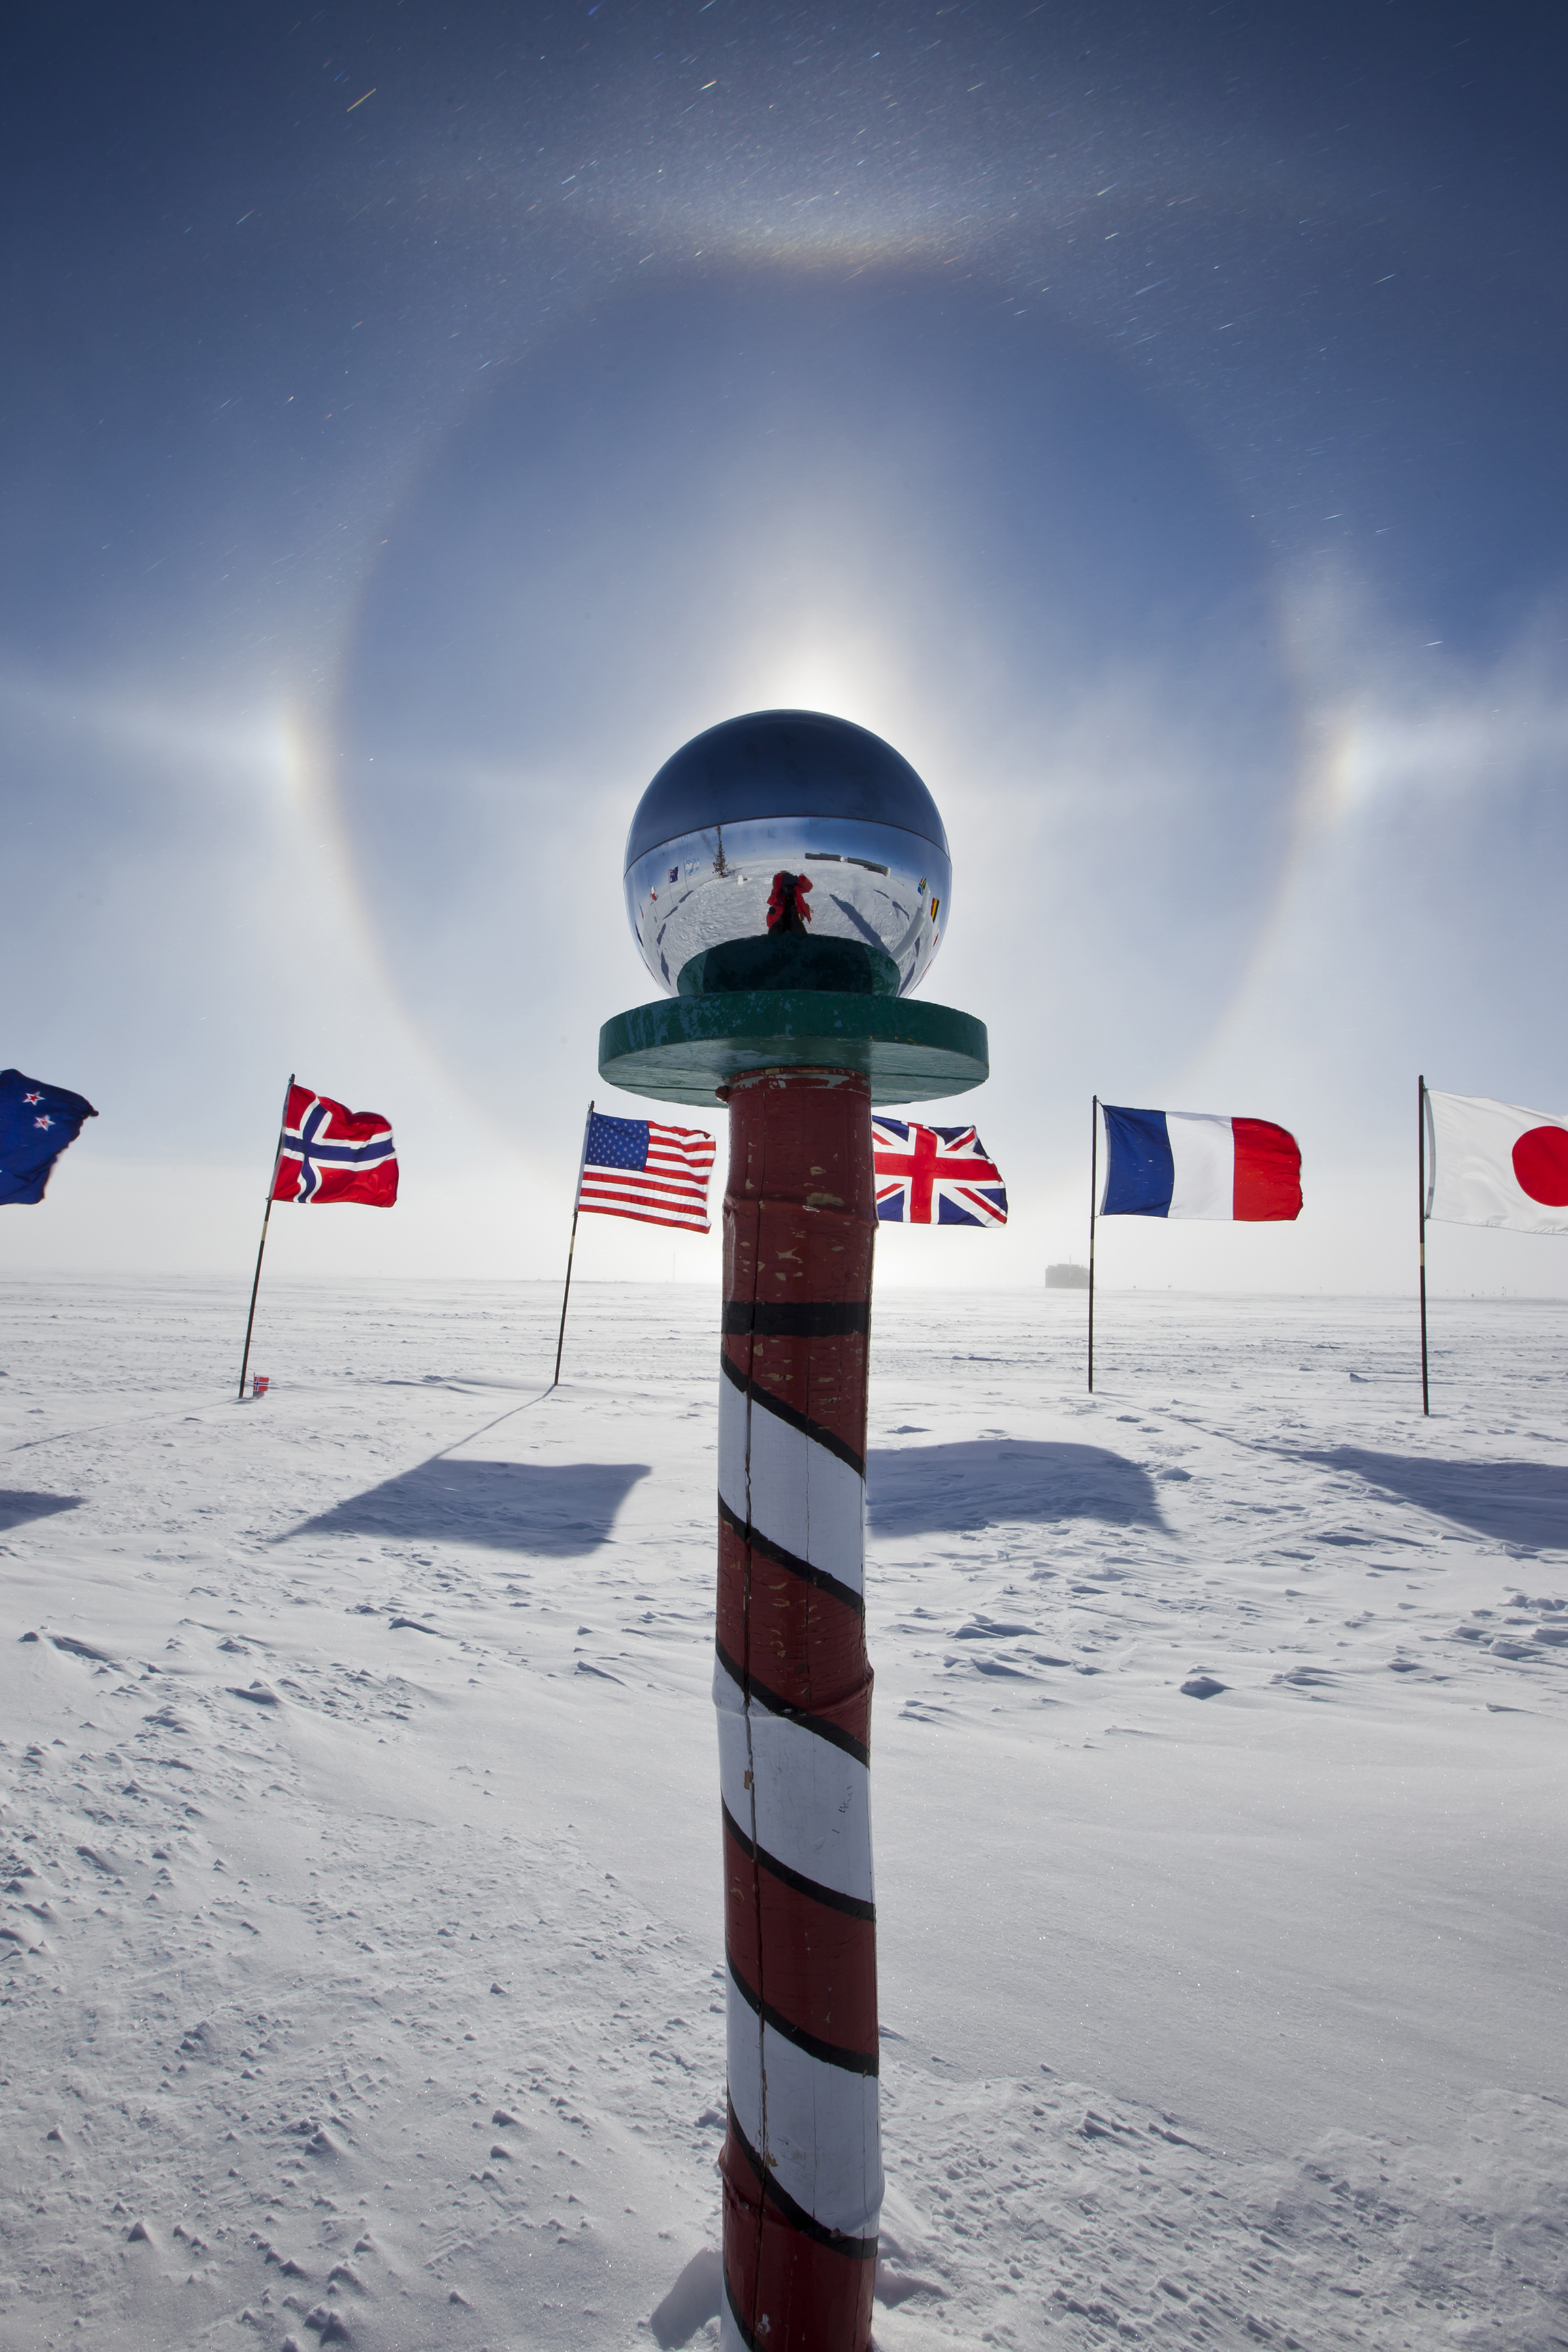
column 1493, row 1163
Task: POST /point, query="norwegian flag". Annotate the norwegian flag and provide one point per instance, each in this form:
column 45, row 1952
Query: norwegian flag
column 935, row 1175
column 328, row 1153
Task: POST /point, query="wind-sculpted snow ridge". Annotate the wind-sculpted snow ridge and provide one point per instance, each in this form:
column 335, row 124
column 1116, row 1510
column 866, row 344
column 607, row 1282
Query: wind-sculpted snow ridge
column 361, row 1942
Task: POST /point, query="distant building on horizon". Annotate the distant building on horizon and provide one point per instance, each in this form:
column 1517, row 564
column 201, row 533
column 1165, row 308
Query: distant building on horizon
column 1067, row 1277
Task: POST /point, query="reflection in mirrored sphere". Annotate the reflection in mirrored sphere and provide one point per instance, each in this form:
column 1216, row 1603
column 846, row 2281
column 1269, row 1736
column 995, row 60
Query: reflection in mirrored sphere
column 787, row 849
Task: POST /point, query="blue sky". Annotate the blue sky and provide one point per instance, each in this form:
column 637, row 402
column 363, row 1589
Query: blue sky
column 414, row 429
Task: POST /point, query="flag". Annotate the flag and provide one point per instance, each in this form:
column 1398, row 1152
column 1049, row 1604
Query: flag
column 36, row 1122
column 639, row 1168
column 1178, row 1163
column 1493, row 1163
column 327, row 1154
column 935, row 1175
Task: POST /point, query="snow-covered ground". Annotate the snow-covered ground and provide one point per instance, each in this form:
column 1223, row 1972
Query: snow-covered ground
column 358, row 1807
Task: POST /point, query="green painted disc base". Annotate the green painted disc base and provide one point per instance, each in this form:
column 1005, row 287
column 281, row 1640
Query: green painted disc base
column 684, row 1048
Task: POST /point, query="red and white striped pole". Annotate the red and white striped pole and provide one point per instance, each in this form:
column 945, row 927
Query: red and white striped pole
column 802, row 2162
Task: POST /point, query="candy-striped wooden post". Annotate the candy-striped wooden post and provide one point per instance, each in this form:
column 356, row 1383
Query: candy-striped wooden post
column 802, row 2160
column 797, row 1012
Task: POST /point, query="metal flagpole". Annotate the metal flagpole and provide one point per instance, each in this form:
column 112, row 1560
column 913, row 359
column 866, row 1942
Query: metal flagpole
column 1421, row 1184
column 576, row 1205
column 1093, row 1191
column 266, row 1215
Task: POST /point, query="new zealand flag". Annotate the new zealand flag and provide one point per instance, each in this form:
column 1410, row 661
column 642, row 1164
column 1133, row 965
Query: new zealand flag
column 36, row 1122
column 328, row 1153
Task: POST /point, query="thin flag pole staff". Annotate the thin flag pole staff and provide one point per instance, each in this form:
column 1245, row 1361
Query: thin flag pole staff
column 1093, row 1197
column 1484, row 1162
column 1421, row 1204
column 1190, row 1164
column 266, row 1219
column 572, row 1244
column 640, row 1169
column 332, row 1154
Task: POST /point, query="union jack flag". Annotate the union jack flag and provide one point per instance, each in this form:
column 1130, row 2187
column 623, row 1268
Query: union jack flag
column 935, row 1175
column 327, row 1154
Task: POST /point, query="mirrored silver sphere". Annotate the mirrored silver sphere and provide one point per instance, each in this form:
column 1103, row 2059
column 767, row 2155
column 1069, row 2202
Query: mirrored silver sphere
column 787, row 849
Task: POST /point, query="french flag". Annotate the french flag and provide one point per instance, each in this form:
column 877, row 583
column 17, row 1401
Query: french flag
column 1181, row 1163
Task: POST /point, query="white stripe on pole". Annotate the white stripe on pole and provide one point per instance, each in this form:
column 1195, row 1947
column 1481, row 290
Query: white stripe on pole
column 797, row 1495
column 1203, row 1149
column 808, row 1805
column 819, row 2139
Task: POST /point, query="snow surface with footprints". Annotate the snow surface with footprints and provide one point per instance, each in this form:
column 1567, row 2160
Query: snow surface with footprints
column 359, row 1819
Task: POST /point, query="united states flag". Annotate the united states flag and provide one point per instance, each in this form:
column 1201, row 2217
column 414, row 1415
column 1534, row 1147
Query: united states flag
column 935, row 1175
column 638, row 1168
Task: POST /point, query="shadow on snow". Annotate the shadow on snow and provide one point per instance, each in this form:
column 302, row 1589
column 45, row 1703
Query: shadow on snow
column 16, row 1509
column 914, row 1490
column 1519, row 1502
column 559, row 1512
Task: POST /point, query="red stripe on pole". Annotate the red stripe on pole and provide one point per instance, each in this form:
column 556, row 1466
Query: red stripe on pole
column 820, row 1963
column 800, row 1225
column 811, row 2292
column 1268, row 1171
column 807, row 1645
